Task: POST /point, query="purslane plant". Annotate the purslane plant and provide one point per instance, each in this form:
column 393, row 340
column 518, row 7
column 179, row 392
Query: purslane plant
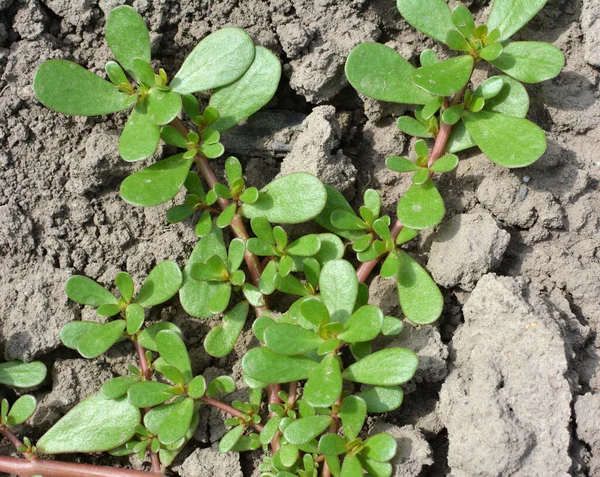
column 317, row 362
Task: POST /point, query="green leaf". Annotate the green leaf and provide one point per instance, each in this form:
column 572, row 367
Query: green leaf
column 212, row 151
column 305, row 246
column 226, row 217
column 270, row 429
column 463, row 20
column 179, row 213
column 134, row 318
column 70, row 89
column 96, row 341
column 489, row 88
column 241, row 99
column 332, row 444
column 452, row 115
column 344, row 220
column 290, row 199
column 412, row 127
column 339, row 288
column 149, row 393
column 392, row 326
column 143, row 71
column 420, row 298
column 158, row 183
column 447, row 163
column 406, row 234
column 382, row 399
column 127, row 36
column 21, row 410
column 125, row 285
column 197, row 387
column 220, row 340
column 380, row 447
column 324, row 386
column 264, row 365
column 421, row 207
column 253, row 295
column 221, row 384
column 173, row 137
column 231, row 438
column 22, row 375
column 117, row 387
column 218, row 60
column 445, row 78
column 495, row 135
column 389, row 267
column 162, row 106
column 491, row 52
column 290, row 340
column 72, row 332
column 379, row 72
column 432, row 17
column 509, row 16
column 139, row 139
column 288, row 455
column 94, row 425
column 147, row 338
column 195, row 295
column 180, row 418
column 401, row 164
column 530, row 61
column 431, row 108
column 351, row 467
column 353, row 414
column 108, row 310
column 374, row 468
column 456, row 41
column 332, row 248
column 115, row 73
column 86, row 291
column 364, row 325
column 388, row 367
column 512, row 99
column 162, row 284
column 315, row 311
column 336, row 201
column 220, row 300
column 172, row 349
column 304, row 430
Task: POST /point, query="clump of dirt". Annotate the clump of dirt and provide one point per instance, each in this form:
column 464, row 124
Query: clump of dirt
column 524, row 356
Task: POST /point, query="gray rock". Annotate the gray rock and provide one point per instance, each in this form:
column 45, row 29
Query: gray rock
column 210, row 462
column 590, row 25
column 587, row 410
column 414, row 452
column 507, row 403
column 315, row 152
column 465, row 248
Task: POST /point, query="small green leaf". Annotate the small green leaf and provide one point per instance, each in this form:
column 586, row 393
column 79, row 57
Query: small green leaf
column 530, row 61
column 491, row 52
column 125, row 285
column 388, row 367
column 290, row 199
column 134, row 317
column 389, row 267
column 143, row 71
column 353, row 414
column 379, row 72
column 288, row 455
column 218, row 60
column 351, row 467
column 304, row 430
column 445, row 78
column 269, row 430
column 315, row 311
column 332, row 444
column 172, row 349
column 219, row 342
column 250, row 195
column 175, row 427
column 364, row 325
column 94, row 425
column 452, row 115
column 332, row 248
column 147, row 338
column 374, row 468
column 115, row 73
column 512, row 99
column 412, row 127
column 96, row 341
column 72, row 332
column 117, row 387
column 421, row 207
column 290, row 340
column 179, row 213
column 324, row 386
column 495, row 135
column 22, row 375
column 162, row 106
column 456, row 41
column 382, row 399
column 420, row 298
column 173, row 137
column 305, row 246
column 21, row 410
column 231, row 438
column 264, row 365
column 336, row 201
column 158, row 183
column 489, row 88
column 226, row 217
column 509, row 16
column 406, row 234
column 344, row 220
column 163, row 282
column 380, row 447
column 212, row 151
column 421, row 176
column 463, row 20
column 139, row 139
column 127, row 36
column 401, row 164
column 432, row 107
column 197, row 387
column 447, row 163
column 70, row 89
column 108, row 310
column 339, row 288
column 432, row 17
column 221, row 384
column 241, row 99
column 86, row 291
column 149, row 393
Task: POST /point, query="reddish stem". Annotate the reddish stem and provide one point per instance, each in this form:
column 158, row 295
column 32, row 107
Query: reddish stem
column 14, row 440
column 228, row 409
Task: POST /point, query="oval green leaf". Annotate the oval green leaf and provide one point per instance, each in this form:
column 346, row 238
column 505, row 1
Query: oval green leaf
column 380, row 447
column 176, row 425
column 304, row 430
column 445, row 78
column 163, row 282
column 324, row 386
column 382, row 399
column 530, row 61
column 432, row 17
column 421, row 207
column 172, row 349
column 162, row 106
column 149, row 393
column 338, row 286
column 364, row 325
column 22, row 375
column 509, row 16
column 139, row 139
column 96, row 341
column 127, row 36
column 220, row 340
column 264, row 365
column 353, row 414
column 290, row 340
column 388, row 367
column 21, row 410
column 86, row 291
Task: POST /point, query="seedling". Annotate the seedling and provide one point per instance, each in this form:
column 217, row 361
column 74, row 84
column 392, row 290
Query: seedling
column 316, row 361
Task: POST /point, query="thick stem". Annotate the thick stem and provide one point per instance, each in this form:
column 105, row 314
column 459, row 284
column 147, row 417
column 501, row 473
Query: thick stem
column 228, row 409
column 14, row 440
column 49, row 468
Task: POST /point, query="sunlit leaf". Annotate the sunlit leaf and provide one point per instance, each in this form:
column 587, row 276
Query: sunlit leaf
column 127, row 36
column 388, row 367
column 445, row 78
column 219, row 342
column 86, row 291
column 509, row 16
column 21, row 410
column 530, row 61
column 306, row 429
column 324, row 386
column 139, row 139
column 264, row 365
column 421, row 207
column 432, row 17
column 339, row 288
column 22, row 375
column 172, row 349
column 381, row 399
column 98, row 340
column 162, row 284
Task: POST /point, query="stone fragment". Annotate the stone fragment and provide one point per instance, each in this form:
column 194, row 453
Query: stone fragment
column 590, row 25
column 210, row 462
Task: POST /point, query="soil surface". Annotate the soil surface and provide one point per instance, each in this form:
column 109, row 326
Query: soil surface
column 509, row 381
